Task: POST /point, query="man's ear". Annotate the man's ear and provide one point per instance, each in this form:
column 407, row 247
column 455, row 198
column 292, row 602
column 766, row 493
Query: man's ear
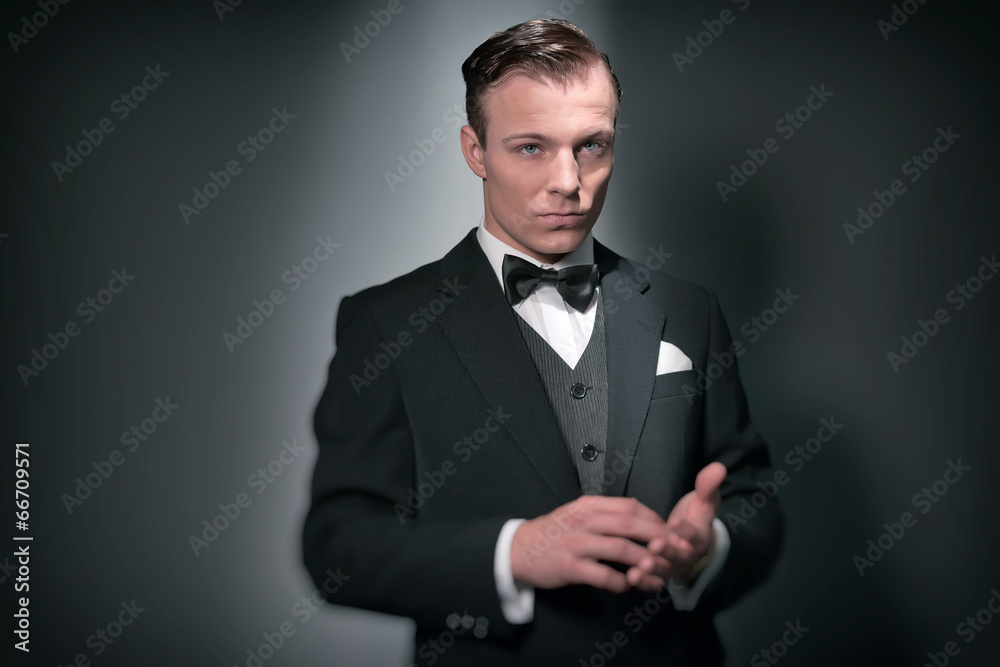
column 473, row 152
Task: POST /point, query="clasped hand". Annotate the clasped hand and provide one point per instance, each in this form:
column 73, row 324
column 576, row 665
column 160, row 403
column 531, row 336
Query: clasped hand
column 567, row 545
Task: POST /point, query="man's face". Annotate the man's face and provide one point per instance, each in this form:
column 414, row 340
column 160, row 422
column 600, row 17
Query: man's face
column 548, row 161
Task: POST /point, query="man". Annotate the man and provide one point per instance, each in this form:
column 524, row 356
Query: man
column 528, row 448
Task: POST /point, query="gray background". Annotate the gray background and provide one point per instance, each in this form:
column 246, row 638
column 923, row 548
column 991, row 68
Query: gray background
column 324, row 176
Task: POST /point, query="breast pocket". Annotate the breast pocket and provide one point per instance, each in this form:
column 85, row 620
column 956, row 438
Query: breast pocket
column 675, row 384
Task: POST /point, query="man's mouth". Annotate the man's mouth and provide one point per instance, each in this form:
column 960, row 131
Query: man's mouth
column 562, row 217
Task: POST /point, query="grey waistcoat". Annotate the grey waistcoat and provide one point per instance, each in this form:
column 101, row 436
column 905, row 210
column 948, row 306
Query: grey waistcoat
column 579, row 398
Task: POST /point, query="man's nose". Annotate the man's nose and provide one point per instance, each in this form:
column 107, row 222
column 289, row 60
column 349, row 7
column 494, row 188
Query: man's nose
column 564, row 178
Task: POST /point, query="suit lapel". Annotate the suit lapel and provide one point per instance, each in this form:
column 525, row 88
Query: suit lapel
column 633, row 330
column 481, row 328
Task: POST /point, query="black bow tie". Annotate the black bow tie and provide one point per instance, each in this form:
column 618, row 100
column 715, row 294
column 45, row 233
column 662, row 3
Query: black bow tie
column 575, row 284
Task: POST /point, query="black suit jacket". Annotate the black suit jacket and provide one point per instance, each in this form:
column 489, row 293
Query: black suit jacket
column 434, row 429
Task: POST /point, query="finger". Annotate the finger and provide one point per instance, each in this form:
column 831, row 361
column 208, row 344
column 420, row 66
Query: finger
column 621, row 525
column 694, row 510
column 650, row 581
column 677, row 550
column 696, row 530
column 598, row 575
column 652, row 564
column 670, row 547
column 613, row 550
column 616, row 505
column 686, row 530
column 708, row 481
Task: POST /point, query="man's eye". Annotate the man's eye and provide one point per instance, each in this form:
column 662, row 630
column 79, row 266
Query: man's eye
column 591, row 146
column 530, row 149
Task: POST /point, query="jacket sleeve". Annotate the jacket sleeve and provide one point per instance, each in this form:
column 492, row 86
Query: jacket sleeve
column 359, row 520
column 730, row 437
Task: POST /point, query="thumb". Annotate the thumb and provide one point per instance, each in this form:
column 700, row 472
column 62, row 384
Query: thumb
column 708, row 481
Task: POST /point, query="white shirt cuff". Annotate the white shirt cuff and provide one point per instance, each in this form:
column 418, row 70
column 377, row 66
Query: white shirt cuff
column 685, row 596
column 517, row 601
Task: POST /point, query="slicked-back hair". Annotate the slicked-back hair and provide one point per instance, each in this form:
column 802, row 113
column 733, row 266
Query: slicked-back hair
column 544, row 50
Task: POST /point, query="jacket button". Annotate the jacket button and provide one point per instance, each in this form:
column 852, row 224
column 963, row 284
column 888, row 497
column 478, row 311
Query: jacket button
column 589, row 452
column 578, row 390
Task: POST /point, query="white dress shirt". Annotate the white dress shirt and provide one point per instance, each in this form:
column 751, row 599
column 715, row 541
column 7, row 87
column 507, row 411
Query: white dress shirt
column 568, row 331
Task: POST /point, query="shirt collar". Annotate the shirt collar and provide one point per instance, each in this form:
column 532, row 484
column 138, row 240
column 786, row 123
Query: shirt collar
column 495, row 249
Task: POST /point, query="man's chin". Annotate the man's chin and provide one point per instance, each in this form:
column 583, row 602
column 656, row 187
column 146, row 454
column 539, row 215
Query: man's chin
column 561, row 241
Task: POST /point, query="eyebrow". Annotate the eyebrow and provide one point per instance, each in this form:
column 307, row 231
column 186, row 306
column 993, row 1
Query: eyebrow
column 535, row 136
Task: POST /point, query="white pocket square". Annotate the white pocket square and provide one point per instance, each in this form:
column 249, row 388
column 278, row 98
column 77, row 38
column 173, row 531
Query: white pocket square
column 671, row 359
